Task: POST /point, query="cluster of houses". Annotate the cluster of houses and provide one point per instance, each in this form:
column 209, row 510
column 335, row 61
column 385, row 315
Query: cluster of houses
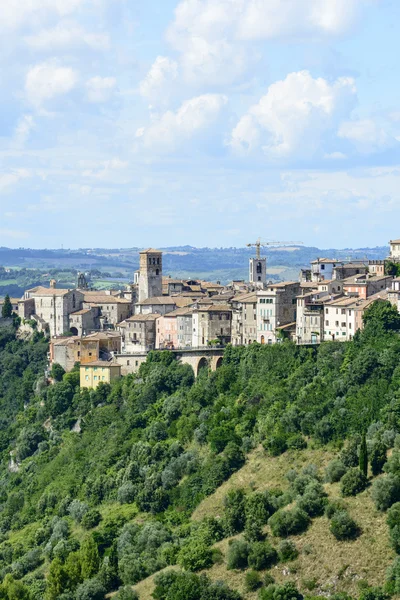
column 111, row 332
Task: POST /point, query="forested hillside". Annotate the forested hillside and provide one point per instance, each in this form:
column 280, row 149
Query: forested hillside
column 276, row 477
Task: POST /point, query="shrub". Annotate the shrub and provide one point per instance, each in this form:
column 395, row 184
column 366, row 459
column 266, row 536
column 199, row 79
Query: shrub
column 268, row 579
column 313, row 500
column 237, row 557
column 126, row 593
column 262, row 556
column 343, row 526
column 353, row 482
column 349, row 454
column 334, row 506
column 296, row 442
column 91, row 519
column 276, row 444
column 126, row 493
column 234, row 514
column 287, row 551
column 335, row 471
column 374, row 593
column 378, row 457
column 289, row 522
column 195, row 556
column 287, row 591
column 91, row 589
column 393, row 577
column 386, row 491
column 252, row 581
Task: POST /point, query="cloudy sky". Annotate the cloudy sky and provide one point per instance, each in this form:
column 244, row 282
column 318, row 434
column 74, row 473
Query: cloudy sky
column 201, row 122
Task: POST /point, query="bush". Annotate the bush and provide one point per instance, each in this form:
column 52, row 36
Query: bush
column 276, row 444
column 78, row 510
column 287, row 591
column 126, row 493
column 252, row 581
column 287, row 551
column 349, row 454
column 374, row 593
column 335, row 471
column 91, row 589
column 262, row 556
column 385, row 492
column 289, row 522
column 296, row 442
column 91, row 519
column 313, row 500
column 334, row 506
column 237, row 557
column 195, row 556
column 353, row 482
column 126, row 593
column 343, row 526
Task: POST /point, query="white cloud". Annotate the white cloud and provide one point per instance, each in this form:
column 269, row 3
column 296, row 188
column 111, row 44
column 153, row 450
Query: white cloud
column 16, row 14
column 100, row 89
column 13, row 177
column 67, row 35
column 294, row 115
column 23, row 129
column 174, row 128
column 367, row 135
column 163, row 72
column 48, row 80
column 211, row 35
column 14, row 234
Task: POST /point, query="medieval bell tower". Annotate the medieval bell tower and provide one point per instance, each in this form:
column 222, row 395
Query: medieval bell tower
column 150, row 275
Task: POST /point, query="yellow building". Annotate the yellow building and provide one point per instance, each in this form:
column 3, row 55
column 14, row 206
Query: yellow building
column 99, row 371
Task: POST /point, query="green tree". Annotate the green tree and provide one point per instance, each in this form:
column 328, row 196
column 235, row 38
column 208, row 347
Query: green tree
column 57, row 580
column 383, row 313
column 378, row 457
column 6, row 309
column 57, row 372
column 90, row 559
column 363, row 457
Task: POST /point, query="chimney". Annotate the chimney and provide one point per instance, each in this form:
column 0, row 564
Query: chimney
column 53, row 284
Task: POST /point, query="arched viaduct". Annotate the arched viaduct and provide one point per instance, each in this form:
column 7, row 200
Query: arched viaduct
column 198, row 359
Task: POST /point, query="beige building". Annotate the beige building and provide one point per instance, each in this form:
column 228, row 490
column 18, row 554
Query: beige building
column 343, row 317
column 92, row 374
column 394, row 250
column 85, row 320
column 310, row 316
column 66, row 351
column 276, row 306
column 322, row 268
column 210, row 324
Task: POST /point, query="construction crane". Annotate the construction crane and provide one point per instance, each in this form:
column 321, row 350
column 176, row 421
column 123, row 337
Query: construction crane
column 259, row 243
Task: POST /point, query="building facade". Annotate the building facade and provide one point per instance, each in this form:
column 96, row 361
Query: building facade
column 150, row 275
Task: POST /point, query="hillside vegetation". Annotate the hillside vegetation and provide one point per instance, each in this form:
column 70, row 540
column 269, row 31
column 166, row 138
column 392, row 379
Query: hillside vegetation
column 276, row 477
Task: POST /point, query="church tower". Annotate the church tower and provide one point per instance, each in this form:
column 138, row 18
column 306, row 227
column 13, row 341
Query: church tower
column 258, row 271
column 150, row 275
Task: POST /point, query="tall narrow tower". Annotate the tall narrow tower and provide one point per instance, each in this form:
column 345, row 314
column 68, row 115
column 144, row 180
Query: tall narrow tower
column 150, row 276
column 258, row 271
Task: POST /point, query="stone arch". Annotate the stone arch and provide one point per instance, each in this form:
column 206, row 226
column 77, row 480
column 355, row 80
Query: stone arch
column 218, row 362
column 202, row 364
column 74, row 331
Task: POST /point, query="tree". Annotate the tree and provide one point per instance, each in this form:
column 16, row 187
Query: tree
column 383, row 313
column 57, row 580
column 363, row 458
column 57, row 372
column 378, row 457
column 90, row 560
column 6, row 309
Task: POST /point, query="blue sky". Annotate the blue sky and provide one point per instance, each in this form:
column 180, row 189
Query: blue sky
column 204, row 122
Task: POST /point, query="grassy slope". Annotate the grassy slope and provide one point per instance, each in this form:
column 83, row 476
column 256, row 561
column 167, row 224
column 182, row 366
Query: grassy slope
column 323, row 563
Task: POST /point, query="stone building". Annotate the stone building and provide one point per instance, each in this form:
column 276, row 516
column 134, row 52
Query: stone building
column 310, row 316
column 113, row 310
column 258, row 271
column 66, row 351
column 345, row 270
column 322, row 268
column 150, row 275
column 161, row 305
column 54, row 306
column 174, row 329
column 85, row 320
column 244, row 319
column 210, row 324
column 139, row 333
column 276, row 306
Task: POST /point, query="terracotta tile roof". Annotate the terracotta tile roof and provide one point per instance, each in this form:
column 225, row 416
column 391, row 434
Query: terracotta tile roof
column 42, row 291
column 101, row 363
column 141, row 317
column 83, row 311
column 158, row 300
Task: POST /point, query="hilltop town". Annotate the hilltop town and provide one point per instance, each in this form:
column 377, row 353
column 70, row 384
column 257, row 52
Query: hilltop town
column 111, row 332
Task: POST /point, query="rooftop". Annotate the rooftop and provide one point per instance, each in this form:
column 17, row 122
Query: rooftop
column 42, row 291
column 158, row 300
column 140, row 317
column 150, row 251
column 101, row 363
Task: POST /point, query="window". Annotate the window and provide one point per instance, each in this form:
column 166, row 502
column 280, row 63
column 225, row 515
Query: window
column 322, row 267
column 343, row 311
column 327, row 323
column 349, row 325
column 95, row 377
column 103, row 378
column 343, row 324
column 326, row 311
column 87, row 377
column 136, row 363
